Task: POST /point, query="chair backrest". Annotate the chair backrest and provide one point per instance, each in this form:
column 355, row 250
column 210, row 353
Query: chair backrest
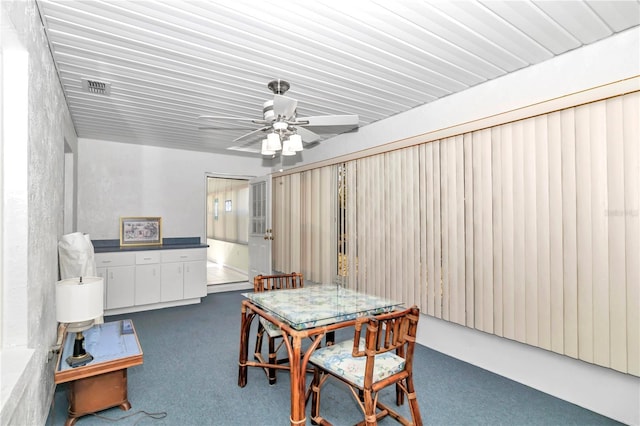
column 386, row 332
column 277, row 282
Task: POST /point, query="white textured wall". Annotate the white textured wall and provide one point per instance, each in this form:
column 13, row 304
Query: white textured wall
column 49, row 124
column 117, row 179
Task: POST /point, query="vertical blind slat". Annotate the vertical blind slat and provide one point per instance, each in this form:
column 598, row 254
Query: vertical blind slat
column 508, row 240
column 631, row 132
column 519, row 266
column 445, row 228
column 424, row 214
column 616, row 233
column 584, row 233
column 430, row 228
column 600, row 267
column 478, row 231
column 437, row 230
column 497, row 223
column 530, row 233
column 555, row 212
column 542, row 229
column 570, row 231
column 487, row 231
column 468, row 231
column 460, row 228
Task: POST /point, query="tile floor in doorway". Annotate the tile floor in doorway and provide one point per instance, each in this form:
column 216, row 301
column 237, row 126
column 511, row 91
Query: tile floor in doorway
column 219, row 274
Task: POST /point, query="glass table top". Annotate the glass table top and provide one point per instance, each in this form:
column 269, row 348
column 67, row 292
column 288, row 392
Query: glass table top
column 105, row 342
column 316, row 305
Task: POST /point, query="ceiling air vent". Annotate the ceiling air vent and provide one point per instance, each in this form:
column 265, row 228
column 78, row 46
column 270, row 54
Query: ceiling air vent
column 95, row 86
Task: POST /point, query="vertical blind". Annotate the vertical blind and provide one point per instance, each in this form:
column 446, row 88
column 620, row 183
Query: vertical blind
column 529, row 230
column 304, row 223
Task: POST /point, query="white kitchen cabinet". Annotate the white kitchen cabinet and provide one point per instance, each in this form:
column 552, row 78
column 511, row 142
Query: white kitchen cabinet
column 118, row 273
column 147, row 285
column 151, row 279
column 195, row 279
column 184, row 274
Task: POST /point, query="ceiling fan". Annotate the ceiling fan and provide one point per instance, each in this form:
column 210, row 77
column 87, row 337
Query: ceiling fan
column 285, row 131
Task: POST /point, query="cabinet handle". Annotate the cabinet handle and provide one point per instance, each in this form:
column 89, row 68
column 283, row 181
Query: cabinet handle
column 183, row 257
column 147, row 258
column 106, row 261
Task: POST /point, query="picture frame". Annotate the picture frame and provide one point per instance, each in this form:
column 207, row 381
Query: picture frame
column 140, row 231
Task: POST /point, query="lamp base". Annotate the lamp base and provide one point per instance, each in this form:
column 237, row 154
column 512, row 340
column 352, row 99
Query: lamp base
column 80, row 356
column 78, row 361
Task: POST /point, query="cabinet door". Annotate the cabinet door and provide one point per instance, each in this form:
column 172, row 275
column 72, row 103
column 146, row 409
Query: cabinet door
column 195, row 279
column 147, row 287
column 102, row 273
column 120, row 287
column 171, row 287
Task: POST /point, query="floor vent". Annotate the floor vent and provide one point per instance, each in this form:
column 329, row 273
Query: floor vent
column 97, row 87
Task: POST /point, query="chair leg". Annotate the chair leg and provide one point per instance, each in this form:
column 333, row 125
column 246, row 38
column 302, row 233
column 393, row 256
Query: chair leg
column 399, row 395
column 413, row 402
column 258, row 348
column 315, row 396
column 369, row 408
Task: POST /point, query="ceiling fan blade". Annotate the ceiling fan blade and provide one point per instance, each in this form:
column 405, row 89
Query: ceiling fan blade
column 250, row 134
column 307, row 135
column 225, row 128
column 225, row 118
column 330, row 123
column 284, row 106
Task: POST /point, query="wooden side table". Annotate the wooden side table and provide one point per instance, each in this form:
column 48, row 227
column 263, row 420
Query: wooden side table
column 102, row 383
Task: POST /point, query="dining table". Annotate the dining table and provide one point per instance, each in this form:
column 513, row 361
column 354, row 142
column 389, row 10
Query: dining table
column 311, row 312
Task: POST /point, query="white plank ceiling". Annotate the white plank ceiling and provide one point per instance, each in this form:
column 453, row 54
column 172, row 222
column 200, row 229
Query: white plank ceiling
column 167, row 62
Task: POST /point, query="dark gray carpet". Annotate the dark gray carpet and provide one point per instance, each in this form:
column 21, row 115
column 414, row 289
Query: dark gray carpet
column 191, row 365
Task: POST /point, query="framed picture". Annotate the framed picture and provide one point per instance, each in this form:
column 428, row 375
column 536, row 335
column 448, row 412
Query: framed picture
column 140, row 231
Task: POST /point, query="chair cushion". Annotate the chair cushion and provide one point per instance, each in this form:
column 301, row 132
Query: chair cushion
column 271, row 329
column 337, row 360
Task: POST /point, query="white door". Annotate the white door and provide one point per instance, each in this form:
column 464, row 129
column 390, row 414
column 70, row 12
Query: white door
column 260, row 226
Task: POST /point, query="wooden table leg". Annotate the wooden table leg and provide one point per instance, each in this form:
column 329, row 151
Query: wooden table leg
column 298, row 369
column 298, row 416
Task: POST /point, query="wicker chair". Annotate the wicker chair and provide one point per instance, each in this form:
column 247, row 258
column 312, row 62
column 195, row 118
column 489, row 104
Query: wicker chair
column 273, row 333
column 383, row 358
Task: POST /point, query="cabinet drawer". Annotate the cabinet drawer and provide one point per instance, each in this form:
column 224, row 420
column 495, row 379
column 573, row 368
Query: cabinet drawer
column 144, row 257
column 184, row 255
column 104, row 260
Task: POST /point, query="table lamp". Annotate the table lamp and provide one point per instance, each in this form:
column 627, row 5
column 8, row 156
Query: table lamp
column 79, row 303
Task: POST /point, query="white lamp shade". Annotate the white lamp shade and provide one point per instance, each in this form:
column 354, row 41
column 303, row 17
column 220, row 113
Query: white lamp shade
column 296, row 142
column 273, row 142
column 265, row 151
column 287, row 148
column 79, row 301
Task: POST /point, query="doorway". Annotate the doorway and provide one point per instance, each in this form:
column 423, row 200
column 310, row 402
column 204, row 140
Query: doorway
column 227, row 204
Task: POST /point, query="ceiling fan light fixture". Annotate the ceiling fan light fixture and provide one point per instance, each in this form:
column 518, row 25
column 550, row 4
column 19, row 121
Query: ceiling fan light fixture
column 296, row 142
column 280, row 125
column 273, row 142
column 266, row 151
column 287, row 149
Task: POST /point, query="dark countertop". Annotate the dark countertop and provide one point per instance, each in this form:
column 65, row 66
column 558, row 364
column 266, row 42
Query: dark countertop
column 111, row 246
